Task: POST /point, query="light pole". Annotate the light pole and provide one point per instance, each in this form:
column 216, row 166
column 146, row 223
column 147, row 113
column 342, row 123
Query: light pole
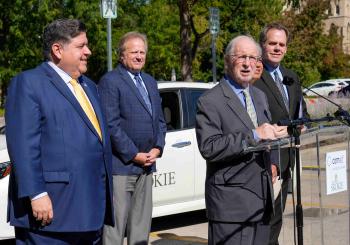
column 214, row 30
column 109, row 12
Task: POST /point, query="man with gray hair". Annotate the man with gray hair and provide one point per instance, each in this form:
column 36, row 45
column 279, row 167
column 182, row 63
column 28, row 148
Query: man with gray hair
column 132, row 105
column 238, row 188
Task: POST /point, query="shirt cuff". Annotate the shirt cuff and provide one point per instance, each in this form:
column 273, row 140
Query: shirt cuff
column 38, row 196
column 256, row 136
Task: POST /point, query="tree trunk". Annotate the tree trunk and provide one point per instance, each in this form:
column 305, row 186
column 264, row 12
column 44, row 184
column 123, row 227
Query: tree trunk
column 186, row 44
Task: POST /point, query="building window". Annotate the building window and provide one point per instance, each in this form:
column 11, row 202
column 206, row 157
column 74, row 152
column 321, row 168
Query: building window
column 337, row 8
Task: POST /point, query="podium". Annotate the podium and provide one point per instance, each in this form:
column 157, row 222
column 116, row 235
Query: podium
column 324, row 186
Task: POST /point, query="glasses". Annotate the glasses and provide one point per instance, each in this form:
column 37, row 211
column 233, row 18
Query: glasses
column 243, row 58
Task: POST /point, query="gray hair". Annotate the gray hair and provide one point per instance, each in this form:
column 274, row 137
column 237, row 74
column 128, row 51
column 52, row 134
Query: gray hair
column 232, row 45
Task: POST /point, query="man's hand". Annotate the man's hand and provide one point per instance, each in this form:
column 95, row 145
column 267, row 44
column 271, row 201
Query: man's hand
column 153, row 154
column 147, row 158
column 266, row 131
column 303, row 128
column 141, row 158
column 274, row 173
column 42, row 210
column 280, row 131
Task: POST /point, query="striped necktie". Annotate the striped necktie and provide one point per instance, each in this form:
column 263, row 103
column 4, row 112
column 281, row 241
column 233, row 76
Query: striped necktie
column 281, row 89
column 143, row 92
column 250, row 107
column 85, row 104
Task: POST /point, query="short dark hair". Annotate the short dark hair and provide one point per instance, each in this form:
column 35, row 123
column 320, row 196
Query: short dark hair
column 268, row 27
column 128, row 36
column 62, row 31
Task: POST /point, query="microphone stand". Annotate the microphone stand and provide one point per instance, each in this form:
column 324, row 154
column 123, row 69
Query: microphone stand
column 294, row 130
column 341, row 114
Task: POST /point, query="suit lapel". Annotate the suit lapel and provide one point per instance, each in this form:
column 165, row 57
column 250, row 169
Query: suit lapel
column 270, row 83
column 127, row 79
column 61, row 86
column 235, row 104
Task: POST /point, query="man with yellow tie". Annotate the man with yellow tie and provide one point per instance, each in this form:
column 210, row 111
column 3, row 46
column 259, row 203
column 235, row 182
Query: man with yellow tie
column 60, row 186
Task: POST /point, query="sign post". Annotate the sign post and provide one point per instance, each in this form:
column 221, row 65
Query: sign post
column 109, row 12
column 214, row 30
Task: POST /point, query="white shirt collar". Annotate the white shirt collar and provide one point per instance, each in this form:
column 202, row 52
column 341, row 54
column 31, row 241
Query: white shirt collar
column 64, row 75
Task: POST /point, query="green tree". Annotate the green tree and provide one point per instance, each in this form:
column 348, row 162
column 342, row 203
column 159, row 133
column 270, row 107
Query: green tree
column 312, row 53
column 178, row 34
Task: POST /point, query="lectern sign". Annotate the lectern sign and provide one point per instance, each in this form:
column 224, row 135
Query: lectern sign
column 336, row 177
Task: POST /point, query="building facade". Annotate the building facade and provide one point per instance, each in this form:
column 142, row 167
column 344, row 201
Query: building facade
column 339, row 16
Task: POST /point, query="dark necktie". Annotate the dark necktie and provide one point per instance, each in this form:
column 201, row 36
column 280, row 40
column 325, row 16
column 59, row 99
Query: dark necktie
column 250, row 107
column 143, row 92
column 281, row 89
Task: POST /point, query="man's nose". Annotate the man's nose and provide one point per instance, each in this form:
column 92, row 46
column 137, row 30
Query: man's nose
column 138, row 55
column 246, row 61
column 87, row 51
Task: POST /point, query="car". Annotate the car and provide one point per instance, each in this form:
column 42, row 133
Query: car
column 326, row 88
column 6, row 231
column 342, row 93
column 178, row 184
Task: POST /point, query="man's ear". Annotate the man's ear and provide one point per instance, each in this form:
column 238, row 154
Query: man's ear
column 56, row 50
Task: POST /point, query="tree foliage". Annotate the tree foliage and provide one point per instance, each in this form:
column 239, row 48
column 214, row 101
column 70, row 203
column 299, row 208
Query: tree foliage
column 314, row 53
column 178, row 34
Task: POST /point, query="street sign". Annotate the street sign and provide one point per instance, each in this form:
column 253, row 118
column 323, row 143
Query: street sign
column 109, row 9
column 214, row 20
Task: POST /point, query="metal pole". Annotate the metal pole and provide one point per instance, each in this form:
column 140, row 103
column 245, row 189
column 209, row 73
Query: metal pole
column 299, row 207
column 109, row 44
column 213, row 58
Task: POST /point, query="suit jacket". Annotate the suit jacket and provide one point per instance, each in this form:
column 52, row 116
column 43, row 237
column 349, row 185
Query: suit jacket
column 238, row 186
column 132, row 127
column 276, row 105
column 54, row 148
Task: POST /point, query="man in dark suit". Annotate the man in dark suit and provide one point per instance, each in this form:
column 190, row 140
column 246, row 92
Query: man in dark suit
column 238, row 188
column 60, row 189
column 285, row 102
column 132, row 104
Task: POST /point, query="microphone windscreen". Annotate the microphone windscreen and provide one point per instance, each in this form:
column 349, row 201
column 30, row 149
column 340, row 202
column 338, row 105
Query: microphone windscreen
column 288, row 80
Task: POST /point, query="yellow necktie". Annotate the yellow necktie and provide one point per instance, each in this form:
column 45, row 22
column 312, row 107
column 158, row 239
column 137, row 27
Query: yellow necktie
column 84, row 103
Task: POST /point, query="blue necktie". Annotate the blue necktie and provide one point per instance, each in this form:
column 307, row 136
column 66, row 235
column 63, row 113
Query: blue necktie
column 143, row 92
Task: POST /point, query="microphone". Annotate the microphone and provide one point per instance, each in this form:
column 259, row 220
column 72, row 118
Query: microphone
column 296, row 122
column 323, row 97
column 288, row 80
column 340, row 113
